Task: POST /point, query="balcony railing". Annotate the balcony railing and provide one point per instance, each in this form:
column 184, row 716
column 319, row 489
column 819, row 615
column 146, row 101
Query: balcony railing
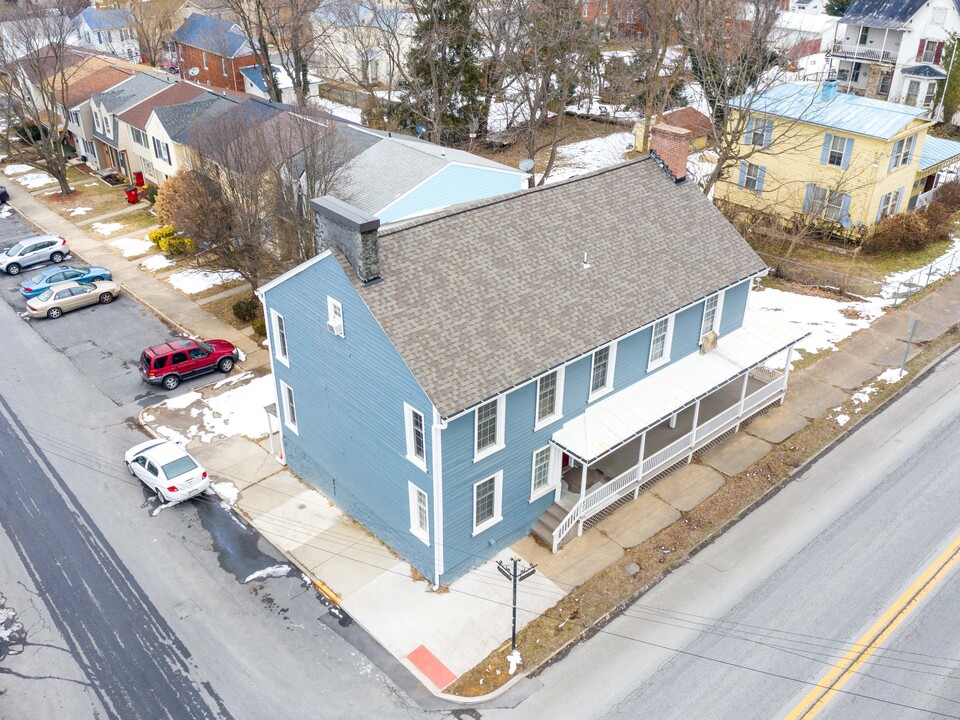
column 609, row 492
column 861, row 52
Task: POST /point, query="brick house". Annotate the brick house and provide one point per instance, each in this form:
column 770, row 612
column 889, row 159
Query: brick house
column 212, row 52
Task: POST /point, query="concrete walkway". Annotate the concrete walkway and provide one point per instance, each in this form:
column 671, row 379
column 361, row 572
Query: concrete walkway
column 170, row 305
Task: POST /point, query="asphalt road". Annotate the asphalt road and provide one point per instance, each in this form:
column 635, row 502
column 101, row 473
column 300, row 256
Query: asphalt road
column 127, row 614
column 755, row 621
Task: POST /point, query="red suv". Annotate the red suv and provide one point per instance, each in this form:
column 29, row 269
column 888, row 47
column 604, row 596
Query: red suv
column 178, row 360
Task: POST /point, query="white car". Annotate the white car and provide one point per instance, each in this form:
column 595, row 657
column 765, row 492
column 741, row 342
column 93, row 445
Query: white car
column 167, row 469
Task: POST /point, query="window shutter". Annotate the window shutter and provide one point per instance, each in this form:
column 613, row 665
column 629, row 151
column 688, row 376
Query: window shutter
column 827, row 139
column 847, row 154
column 808, row 198
column 899, row 201
column 845, row 212
column 743, row 174
column 748, row 131
column 920, row 49
column 893, row 156
column 768, row 133
column 760, row 175
column 939, row 53
column 883, row 201
column 912, row 148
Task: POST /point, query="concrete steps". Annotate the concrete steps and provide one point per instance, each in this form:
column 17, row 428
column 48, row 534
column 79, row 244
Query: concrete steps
column 548, row 522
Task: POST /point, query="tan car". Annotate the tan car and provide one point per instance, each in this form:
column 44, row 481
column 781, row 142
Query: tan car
column 66, row 296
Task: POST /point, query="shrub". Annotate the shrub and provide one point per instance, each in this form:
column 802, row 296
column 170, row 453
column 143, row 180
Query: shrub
column 259, row 326
column 246, row 309
column 906, row 231
column 151, row 193
column 948, row 195
column 939, row 219
column 169, row 241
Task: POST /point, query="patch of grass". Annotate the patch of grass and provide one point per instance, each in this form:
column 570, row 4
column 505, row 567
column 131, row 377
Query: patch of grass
column 101, row 199
column 588, row 606
column 223, row 310
column 137, row 221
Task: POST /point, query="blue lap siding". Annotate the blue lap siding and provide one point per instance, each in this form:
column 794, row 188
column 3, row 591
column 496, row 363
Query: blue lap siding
column 349, row 393
column 453, row 185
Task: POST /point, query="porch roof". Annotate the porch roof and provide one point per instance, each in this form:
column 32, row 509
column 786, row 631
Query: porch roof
column 618, row 419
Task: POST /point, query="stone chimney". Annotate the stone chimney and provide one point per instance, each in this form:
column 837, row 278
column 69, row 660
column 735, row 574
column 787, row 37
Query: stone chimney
column 670, row 147
column 341, row 225
column 829, row 90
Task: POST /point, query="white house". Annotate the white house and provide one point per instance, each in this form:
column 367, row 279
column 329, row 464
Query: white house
column 109, row 31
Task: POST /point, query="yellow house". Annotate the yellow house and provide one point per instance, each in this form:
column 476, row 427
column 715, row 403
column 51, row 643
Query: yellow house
column 810, row 152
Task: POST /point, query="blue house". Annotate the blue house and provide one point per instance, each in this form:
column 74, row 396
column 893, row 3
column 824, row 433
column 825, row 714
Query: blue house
column 518, row 364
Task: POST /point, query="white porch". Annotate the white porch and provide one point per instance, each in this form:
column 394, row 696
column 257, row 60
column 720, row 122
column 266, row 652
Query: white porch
column 624, row 443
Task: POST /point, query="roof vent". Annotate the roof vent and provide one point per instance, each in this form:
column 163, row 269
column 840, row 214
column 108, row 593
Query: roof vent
column 586, row 264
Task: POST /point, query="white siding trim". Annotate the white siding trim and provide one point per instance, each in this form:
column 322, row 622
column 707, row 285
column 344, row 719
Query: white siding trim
column 436, row 456
column 408, row 411
column 558, row 410
column 497, row 503
column 276, row 319
column 501, row 422
column 286, row 394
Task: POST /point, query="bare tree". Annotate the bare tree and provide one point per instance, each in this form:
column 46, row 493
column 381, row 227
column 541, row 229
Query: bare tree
column 37, row 64
column 154, row 21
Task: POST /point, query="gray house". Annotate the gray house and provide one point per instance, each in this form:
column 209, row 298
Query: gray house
column 517, row 364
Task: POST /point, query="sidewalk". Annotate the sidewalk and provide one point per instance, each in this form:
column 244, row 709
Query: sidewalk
column 440, row 635
column 167, row 303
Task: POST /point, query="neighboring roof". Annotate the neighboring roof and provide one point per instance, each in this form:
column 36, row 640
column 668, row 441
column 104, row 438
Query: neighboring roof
column 884, row 13
column 688, row 118
column 130, row 92
column 524, row 301
column 104, row 78
column 175, row 119
column 43, row 61
column 845, row 112
column 100, row 19
column 177, row 93
column 924, row 71
column 805, row 49
column 253, row 74
column 937, row 153
column 213, row 36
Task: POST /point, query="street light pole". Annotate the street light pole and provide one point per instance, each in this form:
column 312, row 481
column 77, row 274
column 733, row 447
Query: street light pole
column 516, row 576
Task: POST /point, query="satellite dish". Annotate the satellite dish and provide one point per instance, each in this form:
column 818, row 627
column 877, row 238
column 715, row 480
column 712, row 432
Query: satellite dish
column 526, row 165
column 420, row 130
column 193, row 72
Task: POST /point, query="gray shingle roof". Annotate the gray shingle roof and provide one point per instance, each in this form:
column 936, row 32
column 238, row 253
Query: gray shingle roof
column 484, row 297
column 130, row 92
column 213, row 36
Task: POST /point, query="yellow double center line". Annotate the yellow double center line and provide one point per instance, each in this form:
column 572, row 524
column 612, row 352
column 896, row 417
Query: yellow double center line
column 871, row 640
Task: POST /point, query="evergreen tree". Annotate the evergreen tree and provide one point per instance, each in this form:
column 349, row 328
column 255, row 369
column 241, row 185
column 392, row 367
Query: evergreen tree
column 836, row 7
column 444, row 84
column 948, row 92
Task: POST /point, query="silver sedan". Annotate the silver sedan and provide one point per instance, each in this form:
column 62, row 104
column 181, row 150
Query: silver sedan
column 64, row 297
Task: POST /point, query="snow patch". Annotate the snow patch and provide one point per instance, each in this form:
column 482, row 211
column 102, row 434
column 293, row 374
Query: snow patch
column 16, row 169
column 842, row 419
column 171, row 434
column 160, row 508
column 514, row 660
column 347, row 112
column 5, row 212
column 233, row 379
column 241, row 355
column 130, row 247
column 891, row 376
column 90, row 184
column 275, row 571
column 227, row 490
column 192, row 282
column 156, row 262
column 107, row 228
column 182, row 401
column 589, row 155
column 35, row 180
column 80, row 211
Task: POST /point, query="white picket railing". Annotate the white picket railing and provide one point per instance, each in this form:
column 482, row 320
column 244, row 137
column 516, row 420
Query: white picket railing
column 612, row 490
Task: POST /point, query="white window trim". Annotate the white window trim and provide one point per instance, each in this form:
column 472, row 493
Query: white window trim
column 334, row 323
column 422, row 534
column 275, row 319
column 611, row 367
column 497, row 503
column 97, row 122
column 284, row 401
column 203, row 56
column 667, row 345
column 501, row 421
column 716, row 317
column 558, row 409
column 553, row 476
column 408, row 411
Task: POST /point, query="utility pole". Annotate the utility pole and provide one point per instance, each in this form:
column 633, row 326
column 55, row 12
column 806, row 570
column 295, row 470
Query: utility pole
column 515, row 575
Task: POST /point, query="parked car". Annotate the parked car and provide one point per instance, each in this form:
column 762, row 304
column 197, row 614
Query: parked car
column 43, row 248
column 177, row 360
column 167, row 469
column 4, row 195
column 64, row 297
column 62, row 273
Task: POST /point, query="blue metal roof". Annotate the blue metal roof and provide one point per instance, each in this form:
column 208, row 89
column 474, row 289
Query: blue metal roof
column 924, row 71
column 936, row 151
column 881, row 13
column 98, row 19
column 844, row 112
column 212, row 35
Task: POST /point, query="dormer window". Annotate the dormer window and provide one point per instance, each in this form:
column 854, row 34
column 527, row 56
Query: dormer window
column 334, row 316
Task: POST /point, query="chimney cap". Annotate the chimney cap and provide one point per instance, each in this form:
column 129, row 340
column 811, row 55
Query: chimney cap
column 345, row 214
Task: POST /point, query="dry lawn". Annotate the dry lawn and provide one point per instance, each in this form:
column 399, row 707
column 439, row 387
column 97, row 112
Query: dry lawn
column 590, row 606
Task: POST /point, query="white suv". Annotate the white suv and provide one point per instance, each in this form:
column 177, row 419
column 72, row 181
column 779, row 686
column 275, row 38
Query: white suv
column 43, row 248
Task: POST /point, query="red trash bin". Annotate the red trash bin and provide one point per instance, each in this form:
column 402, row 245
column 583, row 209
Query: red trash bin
column 138, row 179
column 132, row 195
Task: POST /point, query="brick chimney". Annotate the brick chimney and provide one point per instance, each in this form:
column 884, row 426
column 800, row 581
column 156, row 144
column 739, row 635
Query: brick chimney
column 341, row 225
column 670, row 147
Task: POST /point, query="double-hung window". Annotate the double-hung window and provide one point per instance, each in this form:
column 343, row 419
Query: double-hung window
column 929, row 51
column 838, row 146
column 545, row 471
column 549, row 398
column 419, row 513
column 487, row 503
column 161, row 150
column 752, row 177
column 930, row 95
column 139, row 137
column 97, row 123
column 488, row 430
column 416, row 436
column 913, row 92
column 74, row 117
column 889, row 204
column 279, row 338
column 711, row 315
column 903, row 151
column 289, row 407
column 660, row 342
column 601, row 370
column 825, row 203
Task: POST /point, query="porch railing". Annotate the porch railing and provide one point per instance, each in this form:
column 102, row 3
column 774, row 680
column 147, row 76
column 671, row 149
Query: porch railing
column 859, row 52
column 612, row 490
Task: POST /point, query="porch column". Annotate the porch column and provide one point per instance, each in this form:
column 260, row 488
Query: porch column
column 743, row 397
column 693, row 432
column 643, row 444
column 583, row 495
column 786, row 374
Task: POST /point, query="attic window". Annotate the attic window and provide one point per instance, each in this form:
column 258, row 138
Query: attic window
column 939, row 16
column 334, row 316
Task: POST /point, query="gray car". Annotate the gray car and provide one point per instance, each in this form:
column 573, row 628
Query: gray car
column 44, row 248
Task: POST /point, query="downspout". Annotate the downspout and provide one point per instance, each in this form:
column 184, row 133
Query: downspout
column 436, row 458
